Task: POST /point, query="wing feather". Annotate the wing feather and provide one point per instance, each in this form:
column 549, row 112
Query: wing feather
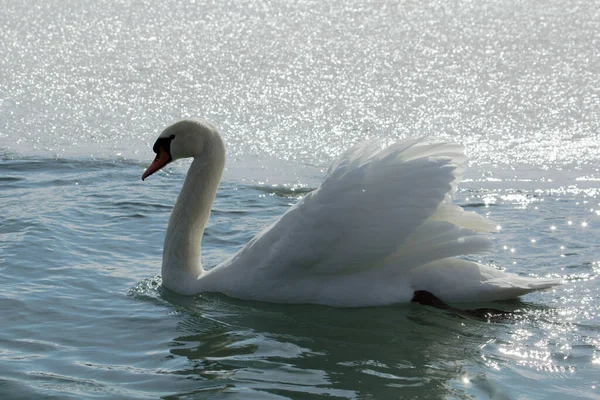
column 378, row 207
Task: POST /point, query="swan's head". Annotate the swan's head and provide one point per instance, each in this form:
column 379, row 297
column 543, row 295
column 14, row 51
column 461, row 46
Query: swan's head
column 184, row 139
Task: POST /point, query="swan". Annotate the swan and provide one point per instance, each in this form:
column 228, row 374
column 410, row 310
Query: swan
column 380, row 228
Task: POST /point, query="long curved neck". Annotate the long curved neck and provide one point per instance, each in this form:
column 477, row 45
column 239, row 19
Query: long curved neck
column 182, row 266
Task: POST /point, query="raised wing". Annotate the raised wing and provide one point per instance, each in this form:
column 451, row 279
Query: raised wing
column 378, row 207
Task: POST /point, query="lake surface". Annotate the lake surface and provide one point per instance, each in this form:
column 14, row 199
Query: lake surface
column 86, row 87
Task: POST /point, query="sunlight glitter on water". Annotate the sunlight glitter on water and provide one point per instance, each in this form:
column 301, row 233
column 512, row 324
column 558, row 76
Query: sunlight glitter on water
column 509, row 89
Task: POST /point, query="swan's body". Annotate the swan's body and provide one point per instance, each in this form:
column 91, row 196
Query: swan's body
column 380, row 227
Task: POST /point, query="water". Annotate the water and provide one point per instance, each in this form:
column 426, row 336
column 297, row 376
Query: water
column 86, row 87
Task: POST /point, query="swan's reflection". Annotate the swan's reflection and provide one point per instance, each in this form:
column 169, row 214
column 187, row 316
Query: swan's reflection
column 389, row 352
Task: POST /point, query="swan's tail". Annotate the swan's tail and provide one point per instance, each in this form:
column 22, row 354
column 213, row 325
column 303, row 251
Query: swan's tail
column 458, row 280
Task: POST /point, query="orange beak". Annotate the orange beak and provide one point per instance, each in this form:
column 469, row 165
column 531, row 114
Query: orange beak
column 162, row 159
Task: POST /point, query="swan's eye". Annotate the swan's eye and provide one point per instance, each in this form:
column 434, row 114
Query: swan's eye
column 164, row 143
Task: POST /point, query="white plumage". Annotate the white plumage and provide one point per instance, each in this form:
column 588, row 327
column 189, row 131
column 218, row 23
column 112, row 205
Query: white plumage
column 381, row 226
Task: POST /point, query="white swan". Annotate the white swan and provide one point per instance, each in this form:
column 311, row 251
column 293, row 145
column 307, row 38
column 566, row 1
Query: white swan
column 380, row 227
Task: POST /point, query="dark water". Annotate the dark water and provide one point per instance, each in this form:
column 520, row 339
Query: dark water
column 85, row 316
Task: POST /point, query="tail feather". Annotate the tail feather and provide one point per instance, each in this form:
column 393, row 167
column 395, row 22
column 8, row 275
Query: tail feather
column 458, row 280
